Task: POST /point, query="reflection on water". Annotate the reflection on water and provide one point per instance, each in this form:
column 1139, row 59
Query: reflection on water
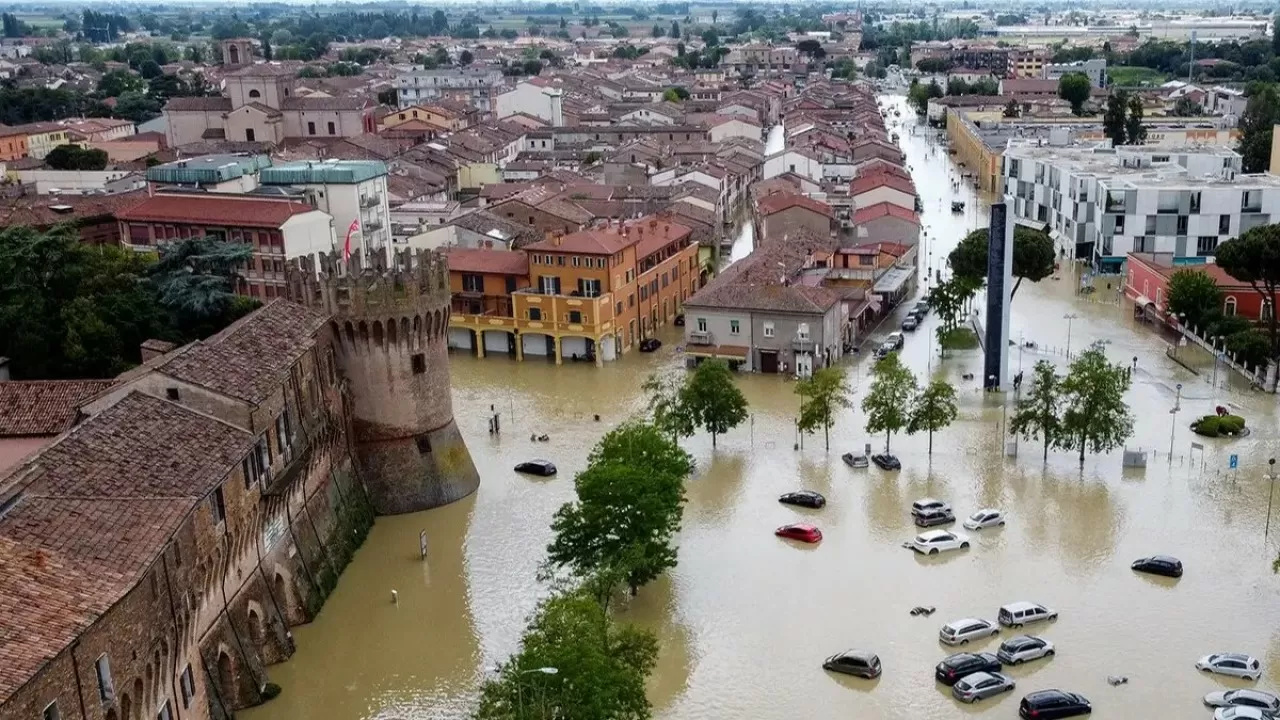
column 746, row 618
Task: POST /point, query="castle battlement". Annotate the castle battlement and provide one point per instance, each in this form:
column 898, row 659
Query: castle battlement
column 414, row 282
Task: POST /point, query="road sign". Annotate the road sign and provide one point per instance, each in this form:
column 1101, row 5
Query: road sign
column 1234, row 461
column 422, row 541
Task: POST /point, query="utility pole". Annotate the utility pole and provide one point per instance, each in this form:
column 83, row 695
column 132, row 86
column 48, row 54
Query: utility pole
column 1069, row 317
column 1173, row 426
column 1271, row 477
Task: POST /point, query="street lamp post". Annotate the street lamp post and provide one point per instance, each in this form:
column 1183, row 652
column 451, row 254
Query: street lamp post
column 1216, row 356
column 520, row 684
column 1271, row 477
column 1173, row 426
column 1069, row 317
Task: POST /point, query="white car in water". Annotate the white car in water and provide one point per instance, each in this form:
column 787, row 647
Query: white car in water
column 985, row 518
column 936, row 541
column 960, row 632
column 1233, row 664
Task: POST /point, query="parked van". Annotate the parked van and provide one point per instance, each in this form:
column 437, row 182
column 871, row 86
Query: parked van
column 1024, row 613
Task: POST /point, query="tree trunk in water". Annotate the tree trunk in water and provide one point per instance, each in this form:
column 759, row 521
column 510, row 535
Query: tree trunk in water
column 826, row 435
column 930, row 443
column 713, row 439
column 886, row 442
column 1082, row 444
column 1015, row 289
column 1046, row 449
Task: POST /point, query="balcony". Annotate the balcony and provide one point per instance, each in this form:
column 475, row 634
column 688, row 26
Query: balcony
column 802, row 344
column 701, row 337
column 370, row 201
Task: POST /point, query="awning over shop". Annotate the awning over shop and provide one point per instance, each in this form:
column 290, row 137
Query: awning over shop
column 892, row 281
column 733, row 352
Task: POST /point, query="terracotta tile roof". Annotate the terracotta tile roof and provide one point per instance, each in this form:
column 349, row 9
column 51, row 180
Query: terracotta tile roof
column 498, row 262
column 867, row 183
column 199, row 104
column 325, row 103
column 45, row 603
column 885, row 209
column 648, row 232
column 43, row 407
column 777, row 202
column 248, row 359
column 756, row 281
column 218, row 211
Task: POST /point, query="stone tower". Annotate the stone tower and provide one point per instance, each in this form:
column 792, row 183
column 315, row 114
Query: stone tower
column 390, row 327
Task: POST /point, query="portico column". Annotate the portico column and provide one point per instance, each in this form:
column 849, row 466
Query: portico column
column 559, row 359
column 479, row 343
column 519, row 346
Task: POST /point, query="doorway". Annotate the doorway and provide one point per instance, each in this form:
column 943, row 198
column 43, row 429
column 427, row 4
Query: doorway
column 769, row 361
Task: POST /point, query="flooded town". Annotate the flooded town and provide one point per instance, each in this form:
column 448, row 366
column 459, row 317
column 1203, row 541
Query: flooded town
column 497, row 399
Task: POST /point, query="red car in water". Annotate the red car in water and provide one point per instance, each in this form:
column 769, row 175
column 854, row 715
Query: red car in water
column 800, row 531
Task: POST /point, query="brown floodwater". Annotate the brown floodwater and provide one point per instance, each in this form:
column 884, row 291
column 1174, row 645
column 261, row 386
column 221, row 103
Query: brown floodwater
column 746, row 619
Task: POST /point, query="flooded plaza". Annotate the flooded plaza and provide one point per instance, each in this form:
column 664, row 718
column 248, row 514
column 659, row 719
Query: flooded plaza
column 746, row 619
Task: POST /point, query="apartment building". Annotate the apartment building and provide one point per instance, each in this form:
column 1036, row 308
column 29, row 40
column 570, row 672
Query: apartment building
column 587, row 295
column 352, row 192
column 472, row 85
column 1095, row 69
column 1102, row 203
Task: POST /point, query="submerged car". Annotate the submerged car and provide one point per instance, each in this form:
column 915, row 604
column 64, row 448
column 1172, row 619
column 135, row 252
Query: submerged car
column 858, row 663
column 936, row 541
column 1020, row 649
column 885, row 461
column 923, row 506
column 803, row 498
column 910, row 323
column 1017, row 614
column 960, row 632
column 1233, row 664
column 985, row 518
column 858, row 461
column 1052, row 705
column 981, row 685
column 803, row 532
column 649, row 345
column 545, row 468
column 896, row 339
column 941, row 516
column 1243, row 698
column 1242, row 712
column 1159, row 565
column 955, row 667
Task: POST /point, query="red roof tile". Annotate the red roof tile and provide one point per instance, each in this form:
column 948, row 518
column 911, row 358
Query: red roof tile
column 606, row 241
column 43, row 407
column 867, row 183
column 884, row 209
column 777, row 202
column 220, row 210
column 497, row 262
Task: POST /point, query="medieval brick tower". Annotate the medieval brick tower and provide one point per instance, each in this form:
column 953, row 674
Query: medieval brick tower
column 390, row 326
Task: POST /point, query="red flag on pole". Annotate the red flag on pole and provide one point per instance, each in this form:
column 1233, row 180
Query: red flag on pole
column 346, row 247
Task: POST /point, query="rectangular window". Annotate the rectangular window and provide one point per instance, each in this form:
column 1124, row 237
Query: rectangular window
column 418, row 363
column 1182, row 225
column 802, row 332
column 631, row 300
column 588, row 287
column 284, row 435
column 166, row 712
column 311, row 128
column 249, row 468
column 219, row 506
column 575, row 316
column 1224, row 224
column 1120, row 224
column 332, row 130
column 1206, row 245
column 735, row 327
column 575, row 261
column 264, row 459
column 188, row 684
column 618, row 309
column 702, row 325
column 1151, row 225
column 1251, row 201
column 550, row 284
column 106, row 691
column 511, row 284
column 472, row 282
column 51, row 712
column 768, row 328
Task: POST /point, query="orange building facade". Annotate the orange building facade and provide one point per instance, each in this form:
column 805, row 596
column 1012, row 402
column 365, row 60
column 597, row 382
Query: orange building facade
column 589, row 295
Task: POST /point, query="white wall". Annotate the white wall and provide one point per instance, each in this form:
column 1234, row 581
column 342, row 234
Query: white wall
column 71, row 181
column 495, row 341
column 534, row 344
column 460, row 338
column 308, row 233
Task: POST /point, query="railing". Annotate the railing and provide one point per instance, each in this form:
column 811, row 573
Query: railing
column 369, row 201
column 700, row 337
column 802, row 344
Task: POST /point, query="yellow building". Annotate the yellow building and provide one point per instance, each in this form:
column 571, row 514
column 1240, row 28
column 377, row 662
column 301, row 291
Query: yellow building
column 978, row 150
column 43, row 138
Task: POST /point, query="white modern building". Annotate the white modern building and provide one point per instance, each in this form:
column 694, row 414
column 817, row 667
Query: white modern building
column 1095, row 69
column 538, row 97
column 348, row 190
column 472, row 85
column 1101, row 203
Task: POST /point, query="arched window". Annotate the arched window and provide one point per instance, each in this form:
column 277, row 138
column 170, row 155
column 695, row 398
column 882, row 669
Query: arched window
column 234, row 53
column 1229, row 308
column 255, row 94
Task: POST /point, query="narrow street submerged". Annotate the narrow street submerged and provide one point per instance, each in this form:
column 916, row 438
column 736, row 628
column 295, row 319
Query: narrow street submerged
column 746, row 619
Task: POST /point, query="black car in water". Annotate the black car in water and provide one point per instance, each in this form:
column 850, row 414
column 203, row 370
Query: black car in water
column 1159, row 565
column 545, row 468
column 650, row 344
column 803, row 498
column 885, row 461
column 954, row 667
column 858, row 663
column 1053, row 704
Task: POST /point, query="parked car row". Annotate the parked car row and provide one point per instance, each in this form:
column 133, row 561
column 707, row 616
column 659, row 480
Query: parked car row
column 915, row 316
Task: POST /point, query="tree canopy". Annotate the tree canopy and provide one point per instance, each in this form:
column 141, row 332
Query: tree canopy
column 1095, row 416
column 1075, row 88
column 1038, row 414
column 933, row 409
column 1033, row 256
column 711, row 399
column 1194, row 297
column 888, row 402
column 1254, row 258
column 822, row 396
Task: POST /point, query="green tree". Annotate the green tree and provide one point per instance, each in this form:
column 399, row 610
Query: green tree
column 822, row 396
column 1261, row 113
column 657, row 31
column 1095, row 416
column 1135, row 132
column 675, row 30
column 1254, row 258
column 710, row 38
column 136, row 107
column 575, row 662
column 119, row 82
column 1113, row 119
column 1012, row 109
column 919, row 95
column 888, row 403
column 1186, row 107
column 712, row 399
column 628, row 509
column 74, row 157
column 465, row 58
column 69, row 310
column 1033, row 256
column 934, row 409
column 1074, row 88
column 197, row 278
column 1275, row 36
column 1192, row 293
column 1039, row 414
